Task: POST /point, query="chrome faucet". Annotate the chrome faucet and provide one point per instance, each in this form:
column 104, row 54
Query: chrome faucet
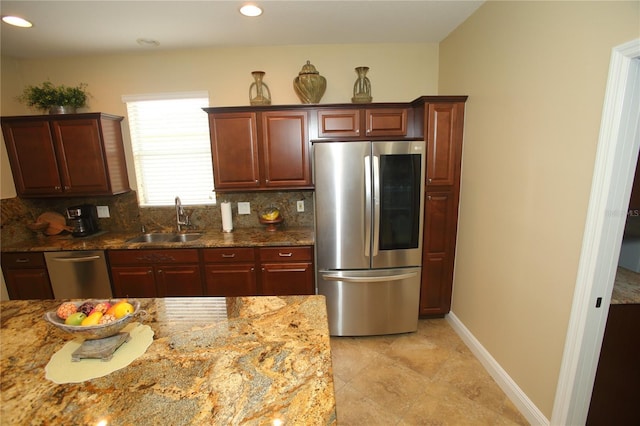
column 181, row 217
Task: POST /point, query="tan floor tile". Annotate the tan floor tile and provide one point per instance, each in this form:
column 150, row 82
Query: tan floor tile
column 354, row 409
column 429, row 377
column 391, row 385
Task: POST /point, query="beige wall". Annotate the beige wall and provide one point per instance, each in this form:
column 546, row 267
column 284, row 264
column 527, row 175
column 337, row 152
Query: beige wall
column 398, row 73
column 535, row 73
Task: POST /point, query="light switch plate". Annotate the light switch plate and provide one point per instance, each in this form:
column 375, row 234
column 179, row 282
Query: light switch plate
column 300, row 205
column 103, row 211
column 244, row 208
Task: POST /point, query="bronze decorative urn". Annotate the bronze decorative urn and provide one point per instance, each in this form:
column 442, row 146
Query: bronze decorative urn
column 309, row 84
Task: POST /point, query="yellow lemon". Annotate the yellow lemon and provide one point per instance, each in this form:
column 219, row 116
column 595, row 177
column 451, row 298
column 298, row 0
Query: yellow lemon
column 122, row 309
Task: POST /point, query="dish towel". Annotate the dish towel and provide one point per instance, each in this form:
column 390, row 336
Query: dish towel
column 61, row 369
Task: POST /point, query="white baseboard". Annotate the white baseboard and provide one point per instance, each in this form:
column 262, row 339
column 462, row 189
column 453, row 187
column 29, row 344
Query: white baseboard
column 506, row 383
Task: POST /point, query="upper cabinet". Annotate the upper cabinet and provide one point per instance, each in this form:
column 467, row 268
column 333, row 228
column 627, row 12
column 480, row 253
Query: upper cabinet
column 66, row 155
column 363, row 122
column 444, row 141
column 255, row 149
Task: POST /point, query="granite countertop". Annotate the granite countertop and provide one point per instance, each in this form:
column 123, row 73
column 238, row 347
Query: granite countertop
column 626, row 288
column 247, row 237
column 246, row 360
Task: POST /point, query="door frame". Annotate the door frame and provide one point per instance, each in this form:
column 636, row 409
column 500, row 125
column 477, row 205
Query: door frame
column 616, row 157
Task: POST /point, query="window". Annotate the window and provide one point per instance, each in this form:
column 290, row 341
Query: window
column 171, row 148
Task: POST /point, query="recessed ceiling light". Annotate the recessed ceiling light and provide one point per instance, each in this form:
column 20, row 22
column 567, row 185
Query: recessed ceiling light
column 250, row 10
column 17, row 21
column 148, row 42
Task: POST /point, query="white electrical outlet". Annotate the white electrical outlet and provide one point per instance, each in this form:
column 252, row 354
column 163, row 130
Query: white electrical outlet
column 300, row 206
column 103, row 211
column 244, row 208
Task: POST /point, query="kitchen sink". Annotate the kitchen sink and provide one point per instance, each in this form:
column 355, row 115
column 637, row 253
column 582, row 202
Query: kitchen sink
column 165, row 237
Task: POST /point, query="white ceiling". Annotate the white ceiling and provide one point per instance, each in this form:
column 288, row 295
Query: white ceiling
column 81, row 27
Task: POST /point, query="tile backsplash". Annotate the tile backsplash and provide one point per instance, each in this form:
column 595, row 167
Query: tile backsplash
column 127, row 216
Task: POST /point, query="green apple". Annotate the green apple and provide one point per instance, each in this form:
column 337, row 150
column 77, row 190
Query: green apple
column 75, row 319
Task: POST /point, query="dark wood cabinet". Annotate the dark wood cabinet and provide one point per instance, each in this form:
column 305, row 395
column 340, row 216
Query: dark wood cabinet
column 438, row 253
column 443, row 127
column 260, row 150
column 356, row 123
column 230, row 272
column 286, row 270
column 66, row 155
column 614, row 400
column 26, row 276
column 444, row 141
column 156, row 273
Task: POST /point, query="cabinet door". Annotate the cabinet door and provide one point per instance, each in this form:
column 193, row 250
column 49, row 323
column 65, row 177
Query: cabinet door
column 234, row 148
column 437, row 262
column 178, row 280
column 26, row 284
column 338, row 123
column 235, row 279
column 386, row 122
column 282, row 279
column 444, row 140
column 285, row 145
column 32, row 155
column 80, row 156
column 133, row 281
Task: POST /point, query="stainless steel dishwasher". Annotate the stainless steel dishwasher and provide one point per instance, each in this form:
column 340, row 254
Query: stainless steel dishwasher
column 78, row 274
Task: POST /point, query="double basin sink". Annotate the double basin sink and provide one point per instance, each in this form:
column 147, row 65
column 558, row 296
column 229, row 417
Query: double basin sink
column 165, row 237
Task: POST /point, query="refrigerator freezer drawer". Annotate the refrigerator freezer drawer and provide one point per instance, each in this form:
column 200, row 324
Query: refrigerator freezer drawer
column 374, row 302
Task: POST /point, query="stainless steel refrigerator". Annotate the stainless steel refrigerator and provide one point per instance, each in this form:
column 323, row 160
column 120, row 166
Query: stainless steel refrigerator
column 369, row 210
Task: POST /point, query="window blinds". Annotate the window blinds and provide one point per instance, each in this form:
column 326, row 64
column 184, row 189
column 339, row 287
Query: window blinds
column 171, row 148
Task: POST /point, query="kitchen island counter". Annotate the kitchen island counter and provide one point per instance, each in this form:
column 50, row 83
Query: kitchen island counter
column 246, row 360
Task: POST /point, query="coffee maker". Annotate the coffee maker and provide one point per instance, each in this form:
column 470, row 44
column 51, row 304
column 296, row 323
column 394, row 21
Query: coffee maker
column 83, row 219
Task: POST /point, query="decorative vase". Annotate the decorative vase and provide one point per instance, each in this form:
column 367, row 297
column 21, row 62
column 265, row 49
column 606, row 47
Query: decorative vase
column 62, row 109
column 362, row 87
column 257, row 96
column 309, row 84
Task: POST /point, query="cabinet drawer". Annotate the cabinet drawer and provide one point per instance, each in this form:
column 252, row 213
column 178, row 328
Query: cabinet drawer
column 285, row 254
column 22, row 260
column 145, row 257
column 229, row 255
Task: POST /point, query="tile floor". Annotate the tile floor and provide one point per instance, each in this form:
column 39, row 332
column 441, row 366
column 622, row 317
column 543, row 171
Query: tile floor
column 429, row 377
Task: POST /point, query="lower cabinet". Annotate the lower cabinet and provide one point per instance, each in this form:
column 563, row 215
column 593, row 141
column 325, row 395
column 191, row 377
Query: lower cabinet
column 156, row 273
column 233, row 271
column 286, row 270
column 438, row 253
column 26, row 276
column 230, row 272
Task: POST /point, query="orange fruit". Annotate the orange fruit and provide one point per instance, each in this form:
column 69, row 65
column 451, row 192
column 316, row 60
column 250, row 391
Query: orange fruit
column 123, row 308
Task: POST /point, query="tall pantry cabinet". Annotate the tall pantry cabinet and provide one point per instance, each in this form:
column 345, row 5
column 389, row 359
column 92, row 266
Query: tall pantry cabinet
column 443, row 128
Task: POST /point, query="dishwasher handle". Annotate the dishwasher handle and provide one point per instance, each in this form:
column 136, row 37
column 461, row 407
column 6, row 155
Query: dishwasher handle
column 76, row 259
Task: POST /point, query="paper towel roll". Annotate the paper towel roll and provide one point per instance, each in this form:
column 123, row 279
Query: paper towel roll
column 227, row 222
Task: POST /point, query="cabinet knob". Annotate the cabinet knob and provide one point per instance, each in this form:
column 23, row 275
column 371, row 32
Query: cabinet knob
column 150, row 271
column 57, row 188
column 159, row 271
column 66, row 187
column 429, row 180
column 285, row 254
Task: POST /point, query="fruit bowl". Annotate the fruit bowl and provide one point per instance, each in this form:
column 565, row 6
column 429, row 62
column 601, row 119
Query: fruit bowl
column 271, row 224
column 93, row 332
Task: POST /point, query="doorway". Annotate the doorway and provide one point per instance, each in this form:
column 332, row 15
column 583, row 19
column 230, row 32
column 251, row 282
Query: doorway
column 616, row 158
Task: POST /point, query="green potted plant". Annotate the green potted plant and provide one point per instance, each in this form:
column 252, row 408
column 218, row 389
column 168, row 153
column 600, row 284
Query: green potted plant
column 55, row 99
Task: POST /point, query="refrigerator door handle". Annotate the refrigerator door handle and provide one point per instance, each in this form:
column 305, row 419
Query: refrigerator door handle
column 376, row 204
column 330, row 277
column 367, row 205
